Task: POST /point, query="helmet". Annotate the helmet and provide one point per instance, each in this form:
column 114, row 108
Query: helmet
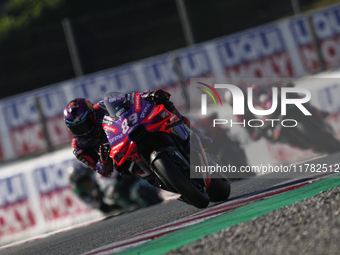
column 79, row 117
column 80, row 174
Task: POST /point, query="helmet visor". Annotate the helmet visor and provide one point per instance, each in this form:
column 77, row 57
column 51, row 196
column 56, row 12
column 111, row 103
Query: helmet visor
column 82, row 128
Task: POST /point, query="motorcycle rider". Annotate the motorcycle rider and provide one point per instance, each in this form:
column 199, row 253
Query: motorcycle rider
column 112, row 193
column 86, row 187
column 90, row 144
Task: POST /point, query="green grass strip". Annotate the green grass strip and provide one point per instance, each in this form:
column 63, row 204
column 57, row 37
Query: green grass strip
column 190, row 234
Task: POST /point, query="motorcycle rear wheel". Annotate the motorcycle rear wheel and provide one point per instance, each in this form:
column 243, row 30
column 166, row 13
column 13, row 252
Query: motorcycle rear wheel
column 169, row 173
column 219, row 190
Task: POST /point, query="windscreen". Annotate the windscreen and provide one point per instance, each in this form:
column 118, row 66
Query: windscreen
column 116, row 104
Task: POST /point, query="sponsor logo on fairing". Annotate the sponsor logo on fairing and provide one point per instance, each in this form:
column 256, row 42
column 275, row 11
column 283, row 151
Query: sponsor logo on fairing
column 145, row 110
column 111, row 129
column 117, row 146
column 137, row 102
column 116, row 138
column 121, row 110
column 133, row 97
column 107, row 122
column 152, row 113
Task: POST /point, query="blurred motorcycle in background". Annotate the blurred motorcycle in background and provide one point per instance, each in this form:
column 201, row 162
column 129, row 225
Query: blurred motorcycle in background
column 111, row 195
column 311, row 131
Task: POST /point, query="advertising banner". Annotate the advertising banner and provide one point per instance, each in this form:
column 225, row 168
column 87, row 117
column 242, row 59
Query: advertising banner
column 95, row 87
column 259, row 53
column 55, row 194
column 36, row 197
column 24, row 127
column 303, row 41
column 161, row 72
column 327, row 28
column 328, row 97
column 16, row 212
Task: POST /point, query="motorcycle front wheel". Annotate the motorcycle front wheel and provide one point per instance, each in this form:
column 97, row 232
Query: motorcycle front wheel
column 169, row 173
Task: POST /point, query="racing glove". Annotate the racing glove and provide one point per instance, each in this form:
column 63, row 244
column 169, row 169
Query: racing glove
column 105, row 165
column 160, row 96
column 104, row 151
column 104, row 170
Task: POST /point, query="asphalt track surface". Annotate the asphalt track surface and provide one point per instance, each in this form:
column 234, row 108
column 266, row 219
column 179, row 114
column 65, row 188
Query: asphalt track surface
column 112, row 229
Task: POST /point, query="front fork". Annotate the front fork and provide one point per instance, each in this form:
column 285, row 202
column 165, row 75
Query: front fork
column 174, row 155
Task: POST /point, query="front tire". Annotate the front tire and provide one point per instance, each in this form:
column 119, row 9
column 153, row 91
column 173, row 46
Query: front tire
column 168, row 172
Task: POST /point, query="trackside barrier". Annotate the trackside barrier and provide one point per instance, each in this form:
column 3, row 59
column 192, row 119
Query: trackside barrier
column 36, row 198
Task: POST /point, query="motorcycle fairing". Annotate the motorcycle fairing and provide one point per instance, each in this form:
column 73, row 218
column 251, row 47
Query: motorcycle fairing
column 140, row 112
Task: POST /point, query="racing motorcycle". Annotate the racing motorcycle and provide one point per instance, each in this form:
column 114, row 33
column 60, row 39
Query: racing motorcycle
column 311, row 132
column 154, row 142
